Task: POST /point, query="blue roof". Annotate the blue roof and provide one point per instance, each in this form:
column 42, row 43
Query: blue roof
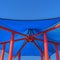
column 23, row 26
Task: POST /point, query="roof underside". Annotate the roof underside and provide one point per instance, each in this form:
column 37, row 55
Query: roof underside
column 35, row 26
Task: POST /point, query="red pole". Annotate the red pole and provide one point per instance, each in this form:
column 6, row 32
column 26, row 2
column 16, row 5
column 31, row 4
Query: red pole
column 41, row 58
column 46, row 47
column 19, row 56
column 3, row 49
column 57, row 53
column 11, row 47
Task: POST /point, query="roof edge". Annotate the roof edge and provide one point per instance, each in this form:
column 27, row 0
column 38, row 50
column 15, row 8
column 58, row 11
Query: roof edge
column 29, row 20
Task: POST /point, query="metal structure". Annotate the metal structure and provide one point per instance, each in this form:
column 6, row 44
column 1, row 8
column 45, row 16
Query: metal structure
column 30, row 38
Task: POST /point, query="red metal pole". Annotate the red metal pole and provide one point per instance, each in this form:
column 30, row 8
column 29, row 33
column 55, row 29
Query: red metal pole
column 51, row 42
column 1, row 27
column 3, row 49
column 57, row 53
column 41, row 58
column 21, row 48
column 19, row 56
column 46, row 47
column 39, row 50
column 11, row 47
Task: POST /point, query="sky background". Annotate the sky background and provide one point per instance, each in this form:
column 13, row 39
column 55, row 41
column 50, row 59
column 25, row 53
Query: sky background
column 29, row 9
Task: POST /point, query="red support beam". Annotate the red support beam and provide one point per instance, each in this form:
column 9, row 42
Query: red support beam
column 39, row 50
column 46, row 47
column 25, row 39
column 48, row 41
column 19, row 56
column 1, row 27
column 21, row 48
column 5, row 42
column 11, row 47
column 34, row 39
column 19, row 39
column 2, row 54
column 53, row 28
column 18, row 53
column 14, row 41
column 41, row 58
column 57, row 52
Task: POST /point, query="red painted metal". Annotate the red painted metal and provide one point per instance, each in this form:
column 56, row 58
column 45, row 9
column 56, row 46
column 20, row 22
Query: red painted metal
column 29, row 40
column 57, row 52
column 14, row 41
column 19, row 56
column 1, row 27
column 48, row 41
column 55, row 27
column 11, row 47
column 21, row 48
column 2, row 54
column 46, row 47
column 41, row 58
column 5, row 42
column 19, row 39
column 41, row 52
column 18, row 53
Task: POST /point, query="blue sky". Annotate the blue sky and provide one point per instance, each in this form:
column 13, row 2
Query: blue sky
column 29, row 9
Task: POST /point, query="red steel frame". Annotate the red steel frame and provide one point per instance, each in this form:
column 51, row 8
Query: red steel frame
column 41, row 52
column 19, row 56
column 19, row 52
column 46, row 47
column 11, row 47
column 28, row 39
column 2, row 54
column 57, row 53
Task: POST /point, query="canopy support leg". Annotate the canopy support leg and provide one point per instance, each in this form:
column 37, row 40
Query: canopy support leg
column 41, row 58
column 46, row 47
column 41, row 52
column 19, row 56
column 57, row 53
column 11, row 47
column 3, row 49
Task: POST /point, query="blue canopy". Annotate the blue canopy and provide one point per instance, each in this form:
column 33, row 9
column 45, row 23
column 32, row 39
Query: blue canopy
column 34, row 26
